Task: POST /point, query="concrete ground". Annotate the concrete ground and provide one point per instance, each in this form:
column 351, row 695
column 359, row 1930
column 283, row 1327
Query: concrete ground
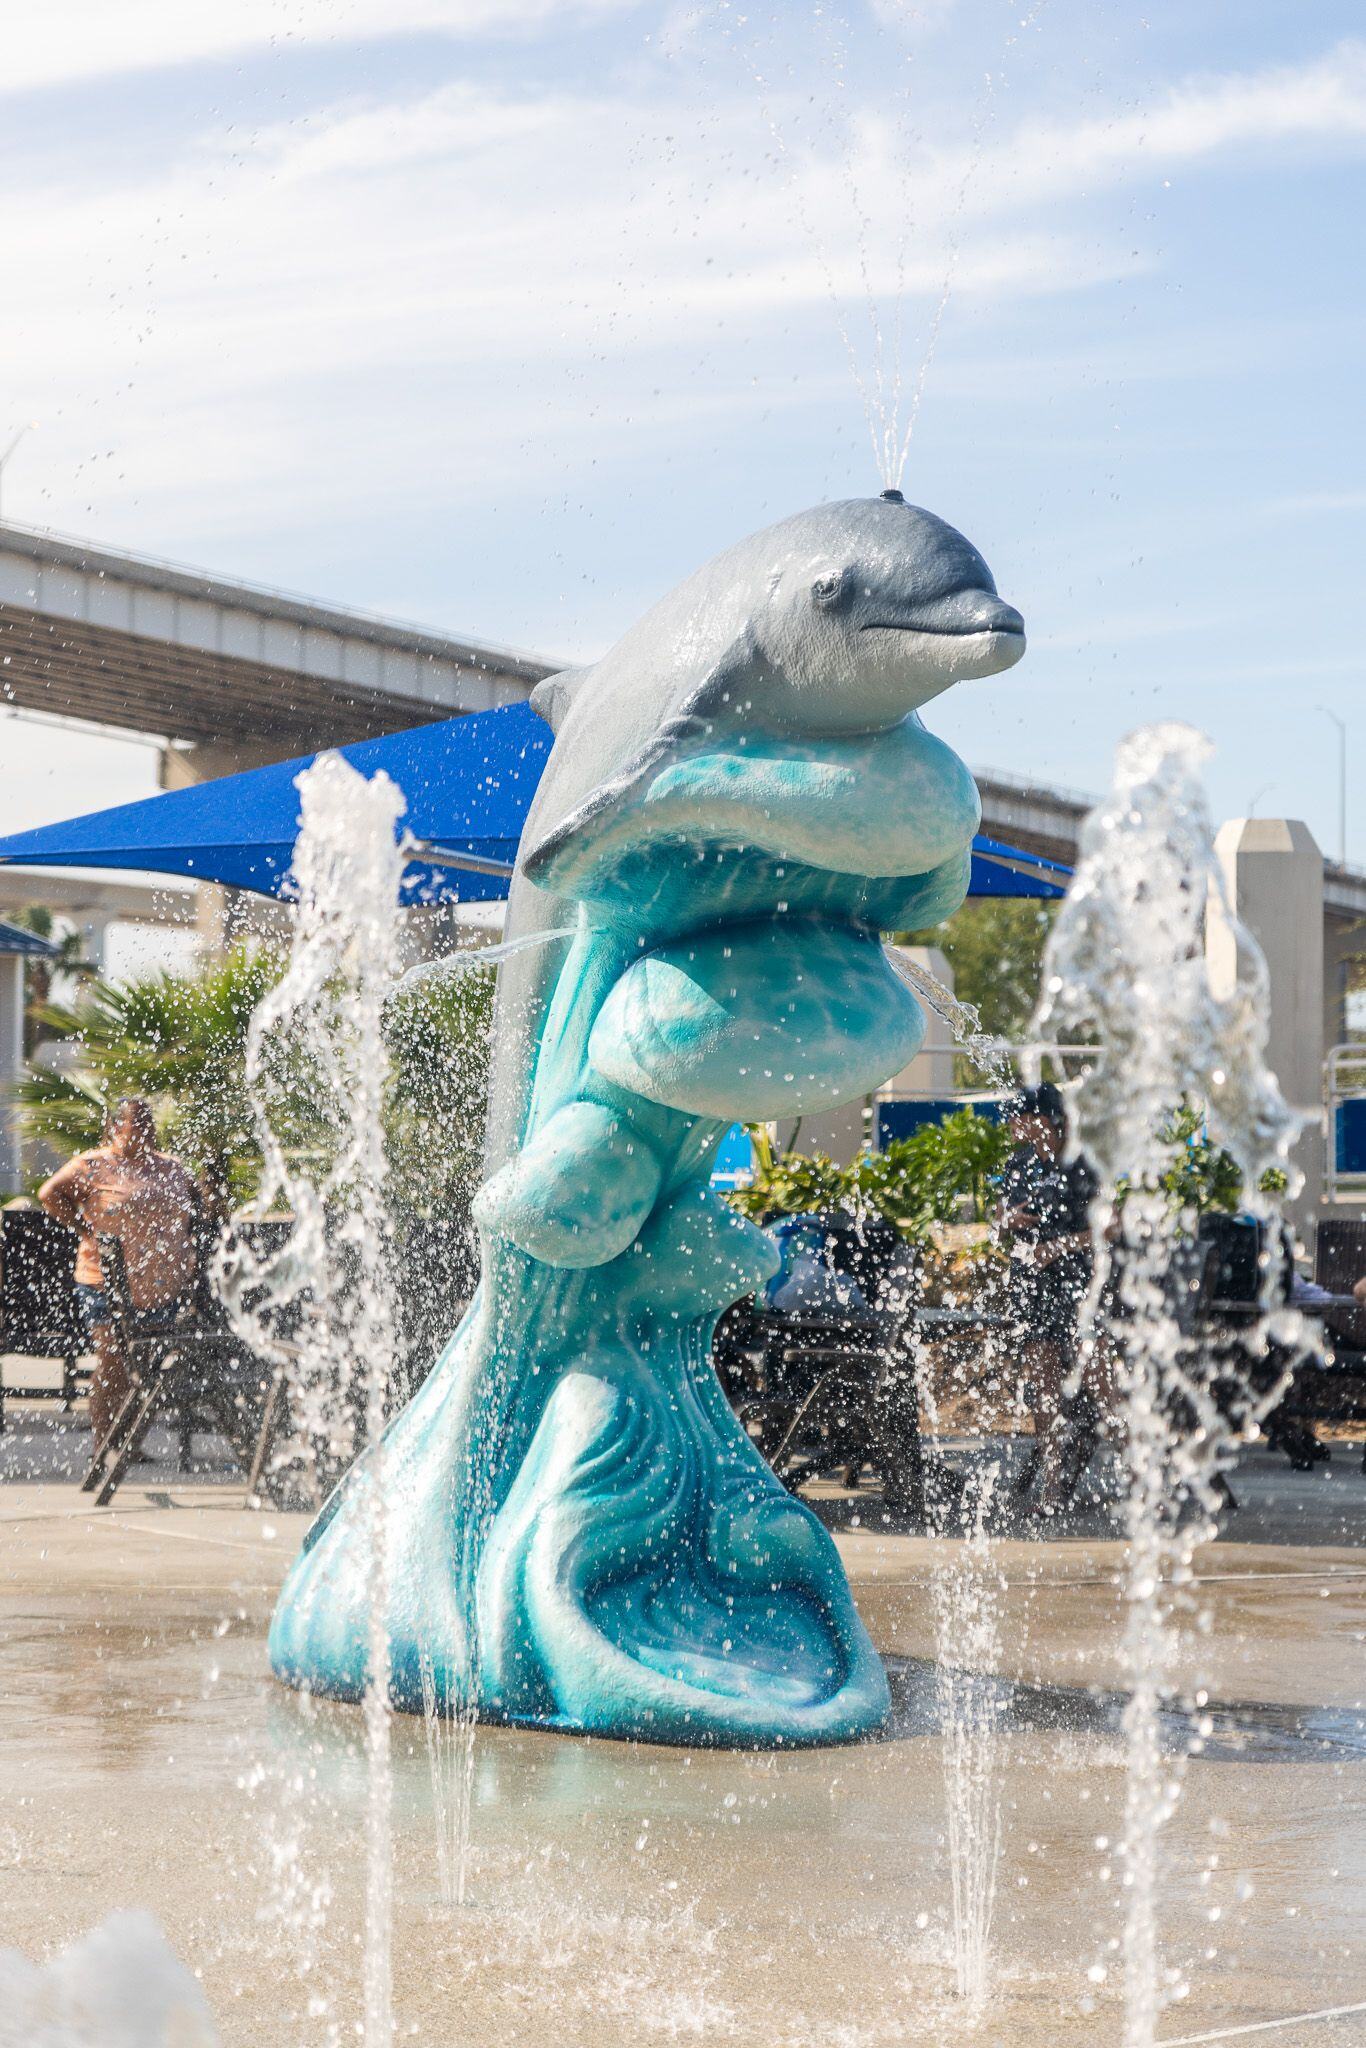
column 620, row 1894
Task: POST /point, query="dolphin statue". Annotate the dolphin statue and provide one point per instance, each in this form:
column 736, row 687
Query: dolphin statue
column 740, row 799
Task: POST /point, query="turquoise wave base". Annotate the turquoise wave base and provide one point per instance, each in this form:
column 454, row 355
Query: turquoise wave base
column 581, row 1535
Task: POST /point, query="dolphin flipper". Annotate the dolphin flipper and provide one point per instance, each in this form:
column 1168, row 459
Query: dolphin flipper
column 710, row 705
column 577, row 1192
column 553, row 697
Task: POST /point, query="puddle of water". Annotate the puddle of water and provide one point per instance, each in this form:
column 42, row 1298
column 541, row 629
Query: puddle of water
column 1245, row 1731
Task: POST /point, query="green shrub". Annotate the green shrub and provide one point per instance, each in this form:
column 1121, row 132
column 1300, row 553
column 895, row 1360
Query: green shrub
column 939, row 1174
column 1202, row 1176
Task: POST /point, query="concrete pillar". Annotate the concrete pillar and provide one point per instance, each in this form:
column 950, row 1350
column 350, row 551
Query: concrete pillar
column 1273, row 872
column 11, row 1070
column 183, row 767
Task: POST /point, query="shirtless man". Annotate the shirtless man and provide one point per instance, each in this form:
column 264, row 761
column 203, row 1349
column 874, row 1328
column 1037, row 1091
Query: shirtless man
column 127, row 1189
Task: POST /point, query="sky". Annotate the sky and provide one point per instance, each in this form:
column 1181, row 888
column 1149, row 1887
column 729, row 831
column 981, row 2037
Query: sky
column 502, row 315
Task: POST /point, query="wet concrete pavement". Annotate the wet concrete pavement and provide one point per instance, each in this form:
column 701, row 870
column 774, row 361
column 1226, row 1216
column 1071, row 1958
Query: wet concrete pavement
column 623, row 1894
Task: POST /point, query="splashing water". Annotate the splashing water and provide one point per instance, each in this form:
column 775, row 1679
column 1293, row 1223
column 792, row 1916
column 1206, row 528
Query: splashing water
column 1125, row 966
column 991, row 1056
column 434, row 973
column 321, row 1033
column 965, row 1587
column 317, row 1068
column 120, row 1986
column 449, row 1729
column 967, row 1627
column 891, row 401
column 450, row 1725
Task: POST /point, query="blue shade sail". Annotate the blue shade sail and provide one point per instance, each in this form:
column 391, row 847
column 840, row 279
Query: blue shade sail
column 469, row 784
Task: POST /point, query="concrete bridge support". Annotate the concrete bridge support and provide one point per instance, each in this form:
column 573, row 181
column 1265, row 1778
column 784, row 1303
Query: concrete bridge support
column 1273, row 873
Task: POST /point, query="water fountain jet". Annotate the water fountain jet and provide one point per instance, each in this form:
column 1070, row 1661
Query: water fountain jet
column 1125, row 968
column 322, row 1026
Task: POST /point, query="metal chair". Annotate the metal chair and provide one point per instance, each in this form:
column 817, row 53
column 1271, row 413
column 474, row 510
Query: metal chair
column 183, row 1357
column 1340, row 1255
column 1187, row 1290
column 833, row 1424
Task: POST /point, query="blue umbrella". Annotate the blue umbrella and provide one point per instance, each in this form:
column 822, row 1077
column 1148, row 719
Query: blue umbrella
column 14, row 939
column 468, row 784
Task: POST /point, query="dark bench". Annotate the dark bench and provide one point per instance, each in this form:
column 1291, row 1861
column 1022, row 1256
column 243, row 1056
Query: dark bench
column 1332, row 1387
column 1328, row 1385
column 39, row 1317
column 804, row 1386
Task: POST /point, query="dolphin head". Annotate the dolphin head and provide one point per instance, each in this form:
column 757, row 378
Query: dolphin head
column 749, row 748
column 871, row 608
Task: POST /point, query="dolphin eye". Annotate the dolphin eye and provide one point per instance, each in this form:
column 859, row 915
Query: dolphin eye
column 827, row 590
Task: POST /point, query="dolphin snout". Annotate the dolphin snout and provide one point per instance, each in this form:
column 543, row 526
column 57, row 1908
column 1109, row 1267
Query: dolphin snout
column 993, row 615
column 962, row 613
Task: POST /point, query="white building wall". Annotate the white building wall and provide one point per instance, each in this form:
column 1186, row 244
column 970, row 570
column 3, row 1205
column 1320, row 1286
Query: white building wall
column 930, row 1073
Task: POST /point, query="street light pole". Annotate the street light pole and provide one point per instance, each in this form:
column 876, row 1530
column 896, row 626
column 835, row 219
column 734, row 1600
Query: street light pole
column 28, row 424
column 1341, row 725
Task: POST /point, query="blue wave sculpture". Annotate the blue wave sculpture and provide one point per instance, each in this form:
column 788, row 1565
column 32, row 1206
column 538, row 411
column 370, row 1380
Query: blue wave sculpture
column 741, row 797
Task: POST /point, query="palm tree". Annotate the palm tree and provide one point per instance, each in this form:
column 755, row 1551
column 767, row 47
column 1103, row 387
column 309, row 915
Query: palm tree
column 438, row 1035
column 178, row 1039
column 181, row 1040
column 41, row 972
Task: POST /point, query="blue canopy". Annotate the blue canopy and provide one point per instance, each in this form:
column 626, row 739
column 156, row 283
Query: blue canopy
column 468, row 784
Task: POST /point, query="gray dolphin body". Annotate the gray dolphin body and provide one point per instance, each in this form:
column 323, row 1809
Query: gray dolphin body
column 740, row 799
column 836, row 623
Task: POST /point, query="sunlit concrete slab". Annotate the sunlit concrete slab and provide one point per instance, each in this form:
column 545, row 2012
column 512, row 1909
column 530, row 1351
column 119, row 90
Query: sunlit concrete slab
column 623, row 1894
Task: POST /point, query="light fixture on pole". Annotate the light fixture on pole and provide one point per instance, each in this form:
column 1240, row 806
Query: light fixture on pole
column 1341, row 725
column 26, row 428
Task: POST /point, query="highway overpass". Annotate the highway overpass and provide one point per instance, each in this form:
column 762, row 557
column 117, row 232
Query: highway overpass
column 231, row 674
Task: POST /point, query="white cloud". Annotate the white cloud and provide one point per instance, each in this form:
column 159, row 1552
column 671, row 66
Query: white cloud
column 396, row 299
column 57, row 42
column 1321, row 102
column 1316, row 505
column 910, row 17
column 443, row 275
